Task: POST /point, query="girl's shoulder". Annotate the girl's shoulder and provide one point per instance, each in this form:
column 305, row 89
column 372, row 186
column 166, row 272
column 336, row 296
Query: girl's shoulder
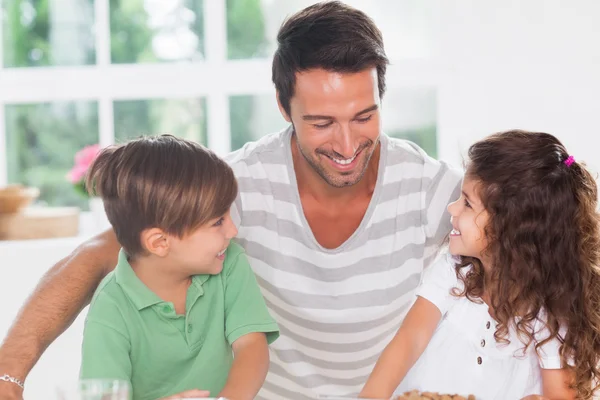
column 443, row 271
column 438, row 282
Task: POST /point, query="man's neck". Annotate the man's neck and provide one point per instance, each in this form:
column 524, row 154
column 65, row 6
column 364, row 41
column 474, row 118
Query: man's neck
column 159, row 277
column 312, row 184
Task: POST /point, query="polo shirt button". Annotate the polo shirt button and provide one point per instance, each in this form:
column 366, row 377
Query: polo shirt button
column 189, row 328
column 482, row 342
column 479, row 360
column 166, row 308
column 487, row 325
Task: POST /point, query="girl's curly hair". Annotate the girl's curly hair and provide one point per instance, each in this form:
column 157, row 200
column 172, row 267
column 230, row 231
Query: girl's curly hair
column 544, row 242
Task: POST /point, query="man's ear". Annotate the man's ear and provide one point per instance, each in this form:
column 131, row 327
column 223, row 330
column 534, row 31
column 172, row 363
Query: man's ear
column 284, row 114
column 155, row 241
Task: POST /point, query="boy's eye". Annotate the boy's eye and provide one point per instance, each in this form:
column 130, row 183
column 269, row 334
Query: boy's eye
column 366, row 119
column 219, row 222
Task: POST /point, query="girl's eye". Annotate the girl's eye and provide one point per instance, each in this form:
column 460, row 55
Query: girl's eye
column 467, row 204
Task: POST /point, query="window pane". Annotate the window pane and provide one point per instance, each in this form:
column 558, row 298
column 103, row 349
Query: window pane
column 407, row 113
column 48, row 32
column 185, row 118
column 252, row 117
column 156, row 30
column 246, row 30
column 410, row 113
column 409, row 27
column 42, row 140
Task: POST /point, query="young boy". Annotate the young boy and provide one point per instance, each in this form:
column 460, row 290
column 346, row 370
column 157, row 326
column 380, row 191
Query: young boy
column 182, row 310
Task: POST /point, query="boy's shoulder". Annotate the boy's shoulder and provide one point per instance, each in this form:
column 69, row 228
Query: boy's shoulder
column 234, row 254
column 235, row 249
column 108, row 298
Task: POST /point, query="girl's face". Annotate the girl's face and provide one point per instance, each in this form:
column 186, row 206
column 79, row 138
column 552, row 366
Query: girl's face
column 469, row 218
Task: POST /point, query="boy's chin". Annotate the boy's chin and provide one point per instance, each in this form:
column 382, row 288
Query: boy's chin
column 213, row 269
column 217, row 268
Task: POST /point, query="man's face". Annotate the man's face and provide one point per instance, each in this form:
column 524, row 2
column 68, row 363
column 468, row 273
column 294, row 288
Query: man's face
column 337, row 124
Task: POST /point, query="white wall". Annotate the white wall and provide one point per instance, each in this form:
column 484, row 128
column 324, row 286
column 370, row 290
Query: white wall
column 530, row 64
column 23, row 263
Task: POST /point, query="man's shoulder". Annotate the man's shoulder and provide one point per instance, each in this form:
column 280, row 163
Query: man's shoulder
column 268, row 149
column 407, row 153
column 402, row 150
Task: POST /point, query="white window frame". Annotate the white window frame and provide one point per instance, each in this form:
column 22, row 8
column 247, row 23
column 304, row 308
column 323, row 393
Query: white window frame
column 215, row 79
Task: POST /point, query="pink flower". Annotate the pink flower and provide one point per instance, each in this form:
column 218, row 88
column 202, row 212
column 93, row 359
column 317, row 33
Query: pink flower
column 83, row 160
column 76, row 174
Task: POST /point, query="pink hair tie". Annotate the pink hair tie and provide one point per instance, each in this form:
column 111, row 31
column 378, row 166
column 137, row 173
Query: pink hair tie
column 569, row 161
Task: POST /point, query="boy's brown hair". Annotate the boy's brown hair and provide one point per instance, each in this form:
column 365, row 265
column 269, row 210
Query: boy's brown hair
column 160, row 182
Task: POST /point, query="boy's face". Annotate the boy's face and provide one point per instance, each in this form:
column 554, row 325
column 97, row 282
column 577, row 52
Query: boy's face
column 203, row 250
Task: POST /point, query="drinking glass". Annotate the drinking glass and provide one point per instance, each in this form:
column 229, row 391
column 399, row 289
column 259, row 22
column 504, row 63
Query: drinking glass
column 95, row 389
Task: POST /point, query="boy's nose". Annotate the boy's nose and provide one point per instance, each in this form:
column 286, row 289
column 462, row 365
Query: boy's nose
column 232, row 231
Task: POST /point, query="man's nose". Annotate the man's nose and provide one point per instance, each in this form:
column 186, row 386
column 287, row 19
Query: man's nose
column 345, row 144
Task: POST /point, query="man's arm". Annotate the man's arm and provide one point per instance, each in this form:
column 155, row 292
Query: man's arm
column 57, row 300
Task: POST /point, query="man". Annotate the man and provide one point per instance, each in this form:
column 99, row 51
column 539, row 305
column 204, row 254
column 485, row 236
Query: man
column 337, row 219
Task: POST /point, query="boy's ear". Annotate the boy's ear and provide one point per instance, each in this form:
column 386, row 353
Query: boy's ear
column 155, row 241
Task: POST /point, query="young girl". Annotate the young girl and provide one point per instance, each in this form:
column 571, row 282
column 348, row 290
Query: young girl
column 515, row 312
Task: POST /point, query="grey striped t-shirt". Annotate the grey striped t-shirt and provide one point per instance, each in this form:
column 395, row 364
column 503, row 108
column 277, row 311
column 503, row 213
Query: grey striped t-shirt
column 337, row 308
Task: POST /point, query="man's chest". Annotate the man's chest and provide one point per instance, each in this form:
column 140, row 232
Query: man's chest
column 332, row 225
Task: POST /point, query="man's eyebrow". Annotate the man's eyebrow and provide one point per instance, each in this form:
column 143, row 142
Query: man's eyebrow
column 310, row 117
column 366, row 110
column 315, row 117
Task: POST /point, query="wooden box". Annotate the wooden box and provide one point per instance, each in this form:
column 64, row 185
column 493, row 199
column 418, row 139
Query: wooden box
column 40, row 223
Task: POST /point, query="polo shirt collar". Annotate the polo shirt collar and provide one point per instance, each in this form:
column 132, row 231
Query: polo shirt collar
column 141, row 296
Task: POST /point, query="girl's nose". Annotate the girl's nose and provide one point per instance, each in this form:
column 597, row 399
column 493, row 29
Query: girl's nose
column 452, row 208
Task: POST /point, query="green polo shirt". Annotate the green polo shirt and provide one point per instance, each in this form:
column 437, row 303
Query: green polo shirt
column 133, row 335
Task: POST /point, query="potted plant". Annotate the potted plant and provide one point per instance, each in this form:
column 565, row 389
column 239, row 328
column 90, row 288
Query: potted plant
column 83, row 161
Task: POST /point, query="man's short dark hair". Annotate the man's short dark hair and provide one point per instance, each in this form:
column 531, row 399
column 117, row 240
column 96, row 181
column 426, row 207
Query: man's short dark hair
column 329, row 35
